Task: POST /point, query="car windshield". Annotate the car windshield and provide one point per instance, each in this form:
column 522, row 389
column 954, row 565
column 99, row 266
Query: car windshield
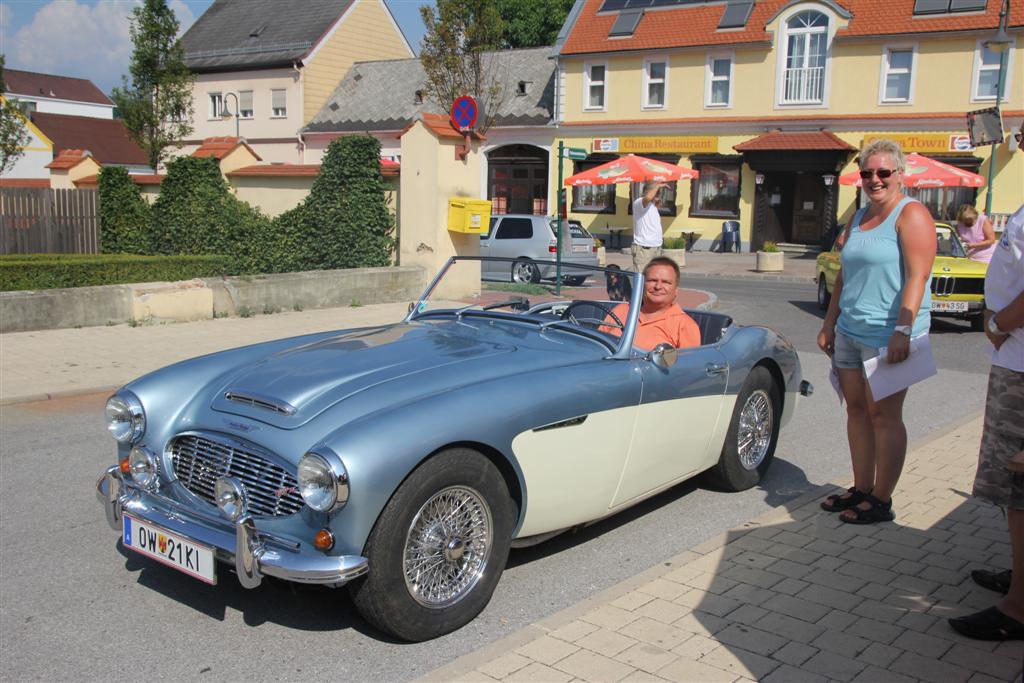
column 948, row 242
column 591, row 301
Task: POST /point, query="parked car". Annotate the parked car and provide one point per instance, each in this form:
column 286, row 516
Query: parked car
column 958, row 283
column 404, row 460
column 531, row 240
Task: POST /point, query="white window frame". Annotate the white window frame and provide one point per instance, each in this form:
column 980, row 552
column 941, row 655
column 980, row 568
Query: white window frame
column 214, row 105
column 252, row 101
column 645, row 94
column 587, row 83
column 976, row 72
column 885, row 72
column 709, row 79
column 782, row 50
column 273, row 109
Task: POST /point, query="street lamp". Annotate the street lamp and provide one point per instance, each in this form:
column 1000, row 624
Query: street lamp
column 227, row 112
column 1000, row 44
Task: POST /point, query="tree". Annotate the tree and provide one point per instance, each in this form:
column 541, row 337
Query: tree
column 532, row 23
column 13, row 132
column 455, row 57
column 157, row 102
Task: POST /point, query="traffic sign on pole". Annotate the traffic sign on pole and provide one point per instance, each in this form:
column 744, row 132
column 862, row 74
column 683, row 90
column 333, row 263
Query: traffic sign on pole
column 464, row 113
column 577, row 153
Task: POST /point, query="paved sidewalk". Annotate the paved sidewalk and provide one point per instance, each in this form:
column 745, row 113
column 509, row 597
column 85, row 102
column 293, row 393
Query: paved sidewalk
column 794, row 595
column 732, row 265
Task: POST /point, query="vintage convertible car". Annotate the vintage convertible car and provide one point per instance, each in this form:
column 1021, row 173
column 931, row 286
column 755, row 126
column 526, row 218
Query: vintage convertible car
column 958, row 283
column 405, row 460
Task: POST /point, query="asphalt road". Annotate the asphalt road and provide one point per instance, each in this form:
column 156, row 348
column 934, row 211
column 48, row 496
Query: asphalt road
column 75, row 606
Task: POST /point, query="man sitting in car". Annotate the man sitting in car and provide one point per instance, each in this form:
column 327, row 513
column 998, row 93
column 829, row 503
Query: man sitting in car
column 661, row 320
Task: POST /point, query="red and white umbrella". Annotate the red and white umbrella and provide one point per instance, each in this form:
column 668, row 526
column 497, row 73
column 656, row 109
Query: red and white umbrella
column 631, row 169
column 924, row 172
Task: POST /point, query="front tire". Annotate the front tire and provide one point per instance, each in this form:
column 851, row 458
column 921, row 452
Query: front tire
column 574, row 280
column 753, row 434
column 438, row 548
column 823, row 296
column 525, row 273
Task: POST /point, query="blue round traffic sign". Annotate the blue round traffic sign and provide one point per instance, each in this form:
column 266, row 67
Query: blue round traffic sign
column 464, row 113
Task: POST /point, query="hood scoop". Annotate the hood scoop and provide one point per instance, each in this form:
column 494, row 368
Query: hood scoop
column 255, row 400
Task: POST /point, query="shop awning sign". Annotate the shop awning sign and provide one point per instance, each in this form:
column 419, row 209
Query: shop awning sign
column 926, row 143
column 654, row 144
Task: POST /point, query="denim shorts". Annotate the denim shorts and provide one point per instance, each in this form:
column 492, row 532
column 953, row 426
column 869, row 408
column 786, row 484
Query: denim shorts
column 850, row 354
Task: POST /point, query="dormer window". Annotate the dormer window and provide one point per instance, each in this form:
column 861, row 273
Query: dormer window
column 805, row 37
column 419, row 97
column 521, row 88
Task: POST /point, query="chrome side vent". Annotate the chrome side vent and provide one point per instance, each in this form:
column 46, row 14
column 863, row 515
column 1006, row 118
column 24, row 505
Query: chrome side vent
column 260, row 401
column 571, row 422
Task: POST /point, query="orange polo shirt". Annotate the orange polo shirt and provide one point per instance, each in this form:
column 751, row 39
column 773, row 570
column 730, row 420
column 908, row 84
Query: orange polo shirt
column 671, row 325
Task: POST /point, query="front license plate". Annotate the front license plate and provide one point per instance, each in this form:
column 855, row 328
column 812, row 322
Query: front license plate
column 163, row 546
column 580, row 248
column 949, row 306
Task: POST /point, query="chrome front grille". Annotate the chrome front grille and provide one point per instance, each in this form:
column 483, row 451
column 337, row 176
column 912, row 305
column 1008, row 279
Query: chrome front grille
column 946, row 285
column 199, row 459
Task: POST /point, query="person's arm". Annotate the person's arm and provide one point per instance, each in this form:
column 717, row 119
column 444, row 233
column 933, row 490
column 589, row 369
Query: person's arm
column 827, row 335
column 1007, row 320
column 652, row 193
column 917, row 238
column 989, row 233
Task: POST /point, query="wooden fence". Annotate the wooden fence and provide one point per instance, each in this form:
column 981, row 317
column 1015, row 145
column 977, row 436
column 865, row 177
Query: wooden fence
column 45, row 221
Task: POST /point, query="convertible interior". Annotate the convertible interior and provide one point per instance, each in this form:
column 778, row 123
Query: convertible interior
column 591, row 314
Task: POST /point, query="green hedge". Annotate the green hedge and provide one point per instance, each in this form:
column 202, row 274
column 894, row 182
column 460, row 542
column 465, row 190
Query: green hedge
column 125, row 218
column 50, row 271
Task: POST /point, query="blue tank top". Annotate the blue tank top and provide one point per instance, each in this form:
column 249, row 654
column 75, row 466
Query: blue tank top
column 873, row 277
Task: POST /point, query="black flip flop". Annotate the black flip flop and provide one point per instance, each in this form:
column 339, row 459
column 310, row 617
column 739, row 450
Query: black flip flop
column 989, row 624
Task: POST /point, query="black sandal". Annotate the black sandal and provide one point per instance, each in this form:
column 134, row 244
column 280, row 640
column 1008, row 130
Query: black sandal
column 878, row 512
column 989, row 624
column 838, row 502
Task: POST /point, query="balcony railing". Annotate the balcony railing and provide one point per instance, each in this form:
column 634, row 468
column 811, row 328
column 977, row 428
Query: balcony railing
column 804, row 86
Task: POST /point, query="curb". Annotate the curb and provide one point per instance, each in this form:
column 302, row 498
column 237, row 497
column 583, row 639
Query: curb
column 53, row 395
column 752, row 276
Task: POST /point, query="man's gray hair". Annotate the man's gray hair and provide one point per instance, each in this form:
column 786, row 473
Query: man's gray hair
column 650, row 185
column 884, row 146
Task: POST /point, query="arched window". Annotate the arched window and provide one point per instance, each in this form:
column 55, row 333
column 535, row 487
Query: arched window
column 803, row 75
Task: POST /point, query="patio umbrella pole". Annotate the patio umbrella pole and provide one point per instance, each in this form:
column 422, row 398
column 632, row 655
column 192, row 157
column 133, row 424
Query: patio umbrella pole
column 558, row 237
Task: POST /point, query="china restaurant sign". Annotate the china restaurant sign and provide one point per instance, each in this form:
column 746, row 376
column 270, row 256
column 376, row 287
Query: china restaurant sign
column 682, row 144
column 935, row 143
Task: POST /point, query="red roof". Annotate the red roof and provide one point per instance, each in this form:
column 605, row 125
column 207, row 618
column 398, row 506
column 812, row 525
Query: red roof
column 697, row 25
column 787, row 140
column 107, row 139
column 137, row 178
column 25, row 182
column 441, row 126
column 220, row 147
column 69, row 158
column 32, row 85
column 387, row 167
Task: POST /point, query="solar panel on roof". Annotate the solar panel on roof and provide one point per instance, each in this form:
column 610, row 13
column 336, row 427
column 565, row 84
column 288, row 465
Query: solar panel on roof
column 613, row 5
column 736, row 14
column 625, row 23
column 966, row 5
column 931, row 6
column 638, row 4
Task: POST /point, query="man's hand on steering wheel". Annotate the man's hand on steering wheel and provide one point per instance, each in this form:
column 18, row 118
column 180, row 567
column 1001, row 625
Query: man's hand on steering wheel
column 567, row 314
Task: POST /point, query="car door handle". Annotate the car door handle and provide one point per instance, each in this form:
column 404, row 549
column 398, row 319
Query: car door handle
column 715, row 368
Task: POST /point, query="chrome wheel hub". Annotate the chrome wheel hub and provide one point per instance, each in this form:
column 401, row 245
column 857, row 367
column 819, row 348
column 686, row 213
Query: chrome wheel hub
column 755, row 429
column 447, row 547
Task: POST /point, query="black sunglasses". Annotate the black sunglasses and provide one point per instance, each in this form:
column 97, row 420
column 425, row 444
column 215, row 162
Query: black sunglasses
column 882, row 173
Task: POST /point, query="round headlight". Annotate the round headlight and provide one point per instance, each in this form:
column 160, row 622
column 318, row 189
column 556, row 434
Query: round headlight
column 142, row 467
column 126, row 420
column 323, row 481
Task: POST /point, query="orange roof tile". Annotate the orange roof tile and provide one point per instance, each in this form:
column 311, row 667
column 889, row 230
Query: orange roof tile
column 441, row 126
column 387, row 167
column 697, row 25
column 138, row 178
column 790, row 140
column 25, row 182
column 68, row 158
column 220, row 147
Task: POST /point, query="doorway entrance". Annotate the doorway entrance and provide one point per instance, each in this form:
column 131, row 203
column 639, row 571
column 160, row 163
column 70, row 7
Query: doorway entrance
column 517, row 179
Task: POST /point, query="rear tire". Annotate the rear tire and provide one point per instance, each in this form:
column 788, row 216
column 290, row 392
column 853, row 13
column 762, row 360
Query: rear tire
column 574, row 281
column 978, row 323
column 438, row 548
column 525, row 273
column 823, row 296
column 753, row 434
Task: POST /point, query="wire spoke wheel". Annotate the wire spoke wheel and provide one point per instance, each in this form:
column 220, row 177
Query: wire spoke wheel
column 755, row 429
column 447, row 546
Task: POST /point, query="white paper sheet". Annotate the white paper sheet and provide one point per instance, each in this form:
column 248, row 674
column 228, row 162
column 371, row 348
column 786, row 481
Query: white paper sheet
column 886, row 379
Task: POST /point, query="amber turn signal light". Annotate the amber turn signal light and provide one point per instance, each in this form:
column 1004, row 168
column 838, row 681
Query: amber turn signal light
column 324, row 540
column 124, row 466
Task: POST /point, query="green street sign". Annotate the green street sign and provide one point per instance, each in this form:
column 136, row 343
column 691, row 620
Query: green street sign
column 577, row 153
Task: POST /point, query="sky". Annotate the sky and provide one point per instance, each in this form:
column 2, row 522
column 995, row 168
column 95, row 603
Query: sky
column 90, row 38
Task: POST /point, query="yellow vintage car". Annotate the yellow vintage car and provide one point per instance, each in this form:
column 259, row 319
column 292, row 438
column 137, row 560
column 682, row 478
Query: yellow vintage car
column 958, row 283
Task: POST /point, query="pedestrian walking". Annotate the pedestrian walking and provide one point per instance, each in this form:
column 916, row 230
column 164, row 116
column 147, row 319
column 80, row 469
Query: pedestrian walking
column 975, row 230
column 647, row 233
column 880, row 299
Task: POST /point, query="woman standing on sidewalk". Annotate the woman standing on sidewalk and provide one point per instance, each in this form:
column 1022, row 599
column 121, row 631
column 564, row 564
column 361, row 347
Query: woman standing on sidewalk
column 975, row 231
column 881, row 298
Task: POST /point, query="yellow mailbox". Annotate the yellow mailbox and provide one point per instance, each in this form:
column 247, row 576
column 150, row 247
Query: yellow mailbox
column 469, row 215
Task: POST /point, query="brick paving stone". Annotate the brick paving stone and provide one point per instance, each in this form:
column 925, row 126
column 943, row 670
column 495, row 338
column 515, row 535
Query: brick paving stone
column 880, row 560
column 862, row 542
column 944, row 561
column 993, row 664
column 752, row 559
column 1010, row 648
column 474, row 677
column 877, row 654
column 539, row 672
column 976, row 600
column 866, row 572
column 797, row 608
column 639, row 676
column 546, row 650
column 838, row 620
column 750, row 638
column 970, row 555
column 841, row 643
column 902, row 535
column 829, row 597
column 662, row 610
column 788, row 674
column 751, row 542
column 605, row 642
column 950, row 593
column 794, row 654
column 790, row 586
column 504, row 665
column 997, row 535
column 965, row 541
column 747, row 614
column 740, row 662
column 826, row 547
column 912, row 664
column 681, row 574
column 609, row 617
column 701, row 623
column 573, row 631
column 789, row 538
column 913, row 602
column 874, row 591
column 695, row 647
column 836, row 667
column 646, row 657
column 941, row 575
column 917, row 621
column 752, row 575
column 708, row 602
column 873, row 674
column 712, row 583
column 766, row 532
column 874, row 630
column 666, row 590
column 685, row 671
column 591, row 666
column 834, row 580
column 788, row 552
column 655, row 632
column 982, row 678
column 789, row 628
column 632, row 600
column 751, row 595
column 914, row 583
column 937, row 547
column 923, row 644
column 789, row 568
column 909, row 567
column 828, row 563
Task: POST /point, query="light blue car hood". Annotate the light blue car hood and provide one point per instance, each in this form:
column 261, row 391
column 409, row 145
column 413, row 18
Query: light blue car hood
column 288, row 388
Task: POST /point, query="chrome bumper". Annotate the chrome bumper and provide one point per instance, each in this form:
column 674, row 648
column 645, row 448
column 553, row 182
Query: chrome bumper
column 240, row 543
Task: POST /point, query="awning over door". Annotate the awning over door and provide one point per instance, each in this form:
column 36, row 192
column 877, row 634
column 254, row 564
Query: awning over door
column 778, row 140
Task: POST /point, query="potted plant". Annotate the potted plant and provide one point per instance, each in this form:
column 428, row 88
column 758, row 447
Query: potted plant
column 769, row 258
column 675, row 249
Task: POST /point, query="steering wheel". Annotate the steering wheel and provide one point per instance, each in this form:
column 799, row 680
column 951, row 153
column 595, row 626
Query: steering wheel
column 567, row 314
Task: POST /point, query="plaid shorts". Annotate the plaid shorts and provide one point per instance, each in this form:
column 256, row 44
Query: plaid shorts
column 1002, row 438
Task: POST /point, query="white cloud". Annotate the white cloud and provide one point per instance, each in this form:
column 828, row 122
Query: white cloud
column 72, row 38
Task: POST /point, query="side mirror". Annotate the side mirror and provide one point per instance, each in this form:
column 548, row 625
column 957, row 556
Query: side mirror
column 663, row 355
